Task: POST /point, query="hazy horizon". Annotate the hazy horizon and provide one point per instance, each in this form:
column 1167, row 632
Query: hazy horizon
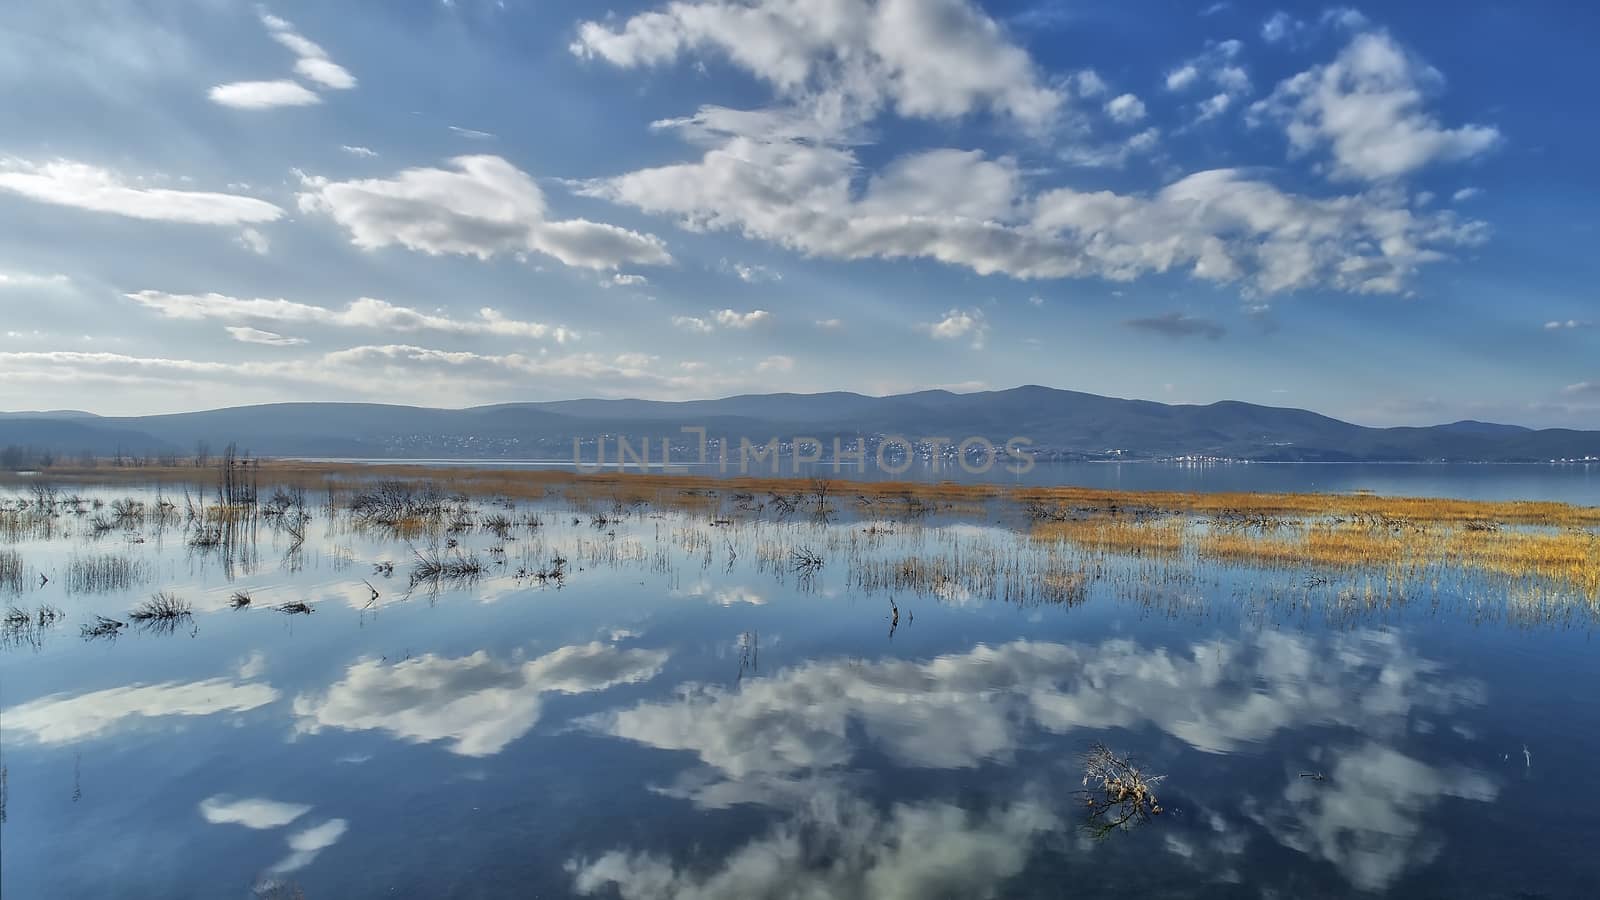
column 189, row 409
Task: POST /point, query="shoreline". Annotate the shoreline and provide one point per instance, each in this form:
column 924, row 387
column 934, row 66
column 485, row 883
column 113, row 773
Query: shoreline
column 659, row 486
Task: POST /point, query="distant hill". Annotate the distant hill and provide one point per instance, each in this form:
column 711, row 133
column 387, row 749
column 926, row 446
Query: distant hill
column 1063, row 424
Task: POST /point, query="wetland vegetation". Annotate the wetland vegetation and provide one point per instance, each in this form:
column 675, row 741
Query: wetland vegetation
column 801, row 649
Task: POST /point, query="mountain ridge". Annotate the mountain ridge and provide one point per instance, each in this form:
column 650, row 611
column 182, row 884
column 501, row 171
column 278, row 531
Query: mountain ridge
column 1058, row 423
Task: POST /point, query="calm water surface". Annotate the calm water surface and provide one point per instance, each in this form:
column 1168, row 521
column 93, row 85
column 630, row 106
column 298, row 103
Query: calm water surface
column 685, row 715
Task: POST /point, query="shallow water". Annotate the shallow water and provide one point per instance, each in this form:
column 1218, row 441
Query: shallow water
column 1577, row 483
column 686, row 715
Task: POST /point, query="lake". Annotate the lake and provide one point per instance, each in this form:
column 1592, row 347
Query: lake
column 721, row 698
column 1568, row 483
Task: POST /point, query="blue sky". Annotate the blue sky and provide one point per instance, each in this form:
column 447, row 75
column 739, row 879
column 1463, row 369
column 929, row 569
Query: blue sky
column 1379, row 213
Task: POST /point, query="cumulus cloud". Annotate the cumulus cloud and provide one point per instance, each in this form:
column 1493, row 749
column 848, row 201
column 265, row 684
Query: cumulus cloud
column 1111, row 155
column 936, row 60
column 67, row 718
column 1126, row 109
column 731, row 318
column 477, row 703
column 246, row 335
column 83, row 186
column 722, row 318
column 1178, row 325
column 1217, row 64
column 962, row 709
column 841, row 846
column 693, row 323
column 1366, row 108
column 311, row 63
column 366, row 312
column 965, row 209
column 791, row 740
column 482, row 206
column 1283, row 28
column 1367, row 818
column 959, row 323
column 1182, row 77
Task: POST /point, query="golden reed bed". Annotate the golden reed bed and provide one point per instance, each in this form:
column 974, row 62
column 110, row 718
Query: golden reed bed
column 1550, row 541
column 662, row 487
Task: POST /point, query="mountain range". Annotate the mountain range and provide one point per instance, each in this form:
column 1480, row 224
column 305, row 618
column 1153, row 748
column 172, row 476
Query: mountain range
column 1058, row 423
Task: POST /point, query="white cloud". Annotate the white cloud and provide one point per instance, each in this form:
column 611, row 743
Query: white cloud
column 325, row 72
column 750, row 273
column 366, row 312
column 355, row 150
column 312, row 64
column 939, row 59
column 1214, row 106
column 305, row 845
column 248, row 335
column 1089, row 83
column 776, row 364
column 1466, row 193
column 483, row 206
column 722, row 318
column 65, row 719
column 830, row 324
column 965, row 710
column 959, row 323
column 1558, row 324
column 1126, row 109
column 1182, row 77
column 963, row 209
column 263, row 94
column 1367, row 817
column 30, row 280
column 1366, row 109
column 1582, row 389
column 1112, row 155
column 1215, row 64
column 477, row 703
column 621, row 279
column 251, row 812
column 254, row 241
column 437, row 376
column 83, row 186
column 471, row 133
column 1279, row 26
column 838, row 845
column 730, row 318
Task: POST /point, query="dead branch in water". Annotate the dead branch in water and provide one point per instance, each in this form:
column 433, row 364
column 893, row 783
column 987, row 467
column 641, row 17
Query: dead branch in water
column 1116, row 793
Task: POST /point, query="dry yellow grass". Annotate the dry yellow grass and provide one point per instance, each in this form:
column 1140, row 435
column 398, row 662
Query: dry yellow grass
column 688, row 490
column 1117, row 534
column 1518, row 540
